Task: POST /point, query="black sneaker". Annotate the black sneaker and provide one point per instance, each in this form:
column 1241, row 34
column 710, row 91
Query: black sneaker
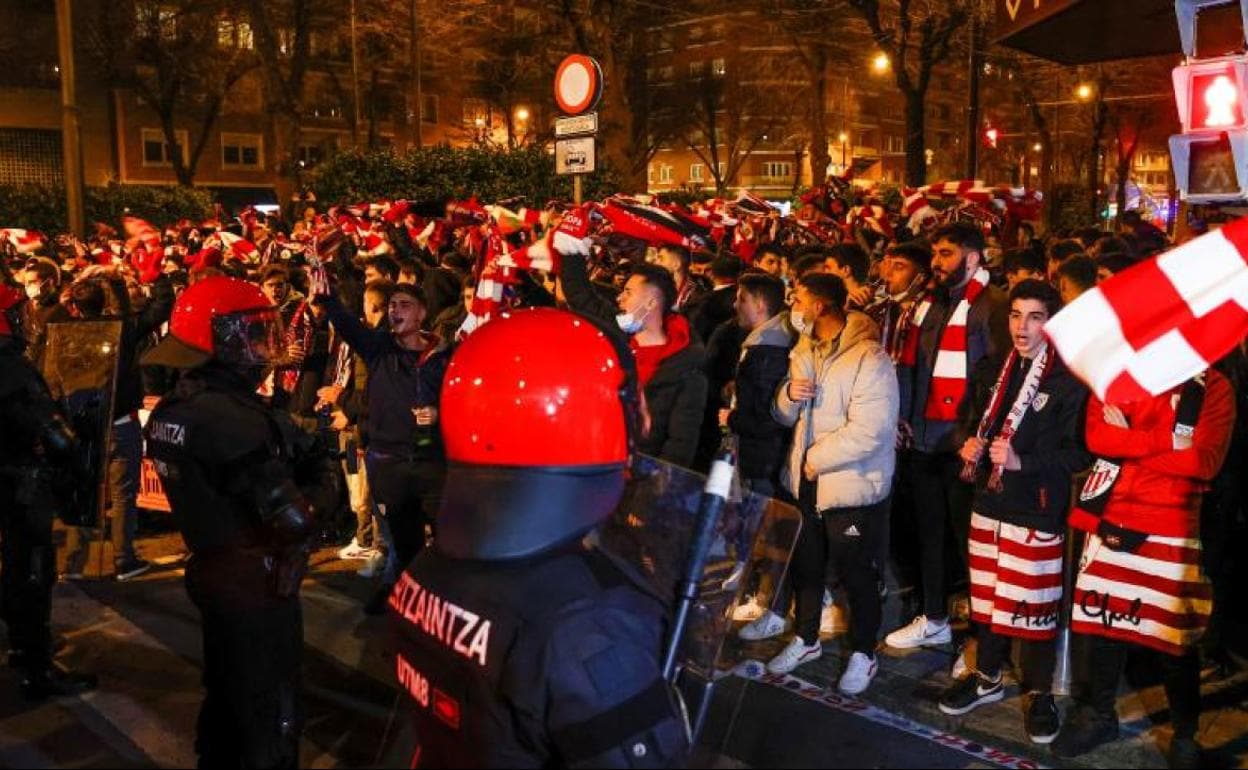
column 129, row 570
column 1083, row 731
column 55, row 682
column 1184, row 753
column 1041, row 720
column 966, row 695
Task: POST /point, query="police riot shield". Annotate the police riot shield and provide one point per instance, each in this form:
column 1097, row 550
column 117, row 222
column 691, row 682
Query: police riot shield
column 80, row 364
column 653, row 530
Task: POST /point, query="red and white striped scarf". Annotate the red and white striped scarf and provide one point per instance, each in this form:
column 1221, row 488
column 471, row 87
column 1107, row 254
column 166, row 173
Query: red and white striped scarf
column 1157, row 596
column 1016, row 578
column 1026, row 394
column 949, row 371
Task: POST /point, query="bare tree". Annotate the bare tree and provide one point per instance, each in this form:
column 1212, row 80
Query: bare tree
column 618, row 33
column 180, row 60
column 283, row 32
column 916, row 36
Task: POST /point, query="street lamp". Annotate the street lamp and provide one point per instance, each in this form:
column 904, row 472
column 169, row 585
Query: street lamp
column 522, row 114
column 1083, row 92
column 1037, row 147
column 881, row 63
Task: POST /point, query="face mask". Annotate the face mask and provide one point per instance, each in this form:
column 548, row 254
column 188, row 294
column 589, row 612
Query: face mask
column 33, row 290
column 798, row 321
column 630, row 323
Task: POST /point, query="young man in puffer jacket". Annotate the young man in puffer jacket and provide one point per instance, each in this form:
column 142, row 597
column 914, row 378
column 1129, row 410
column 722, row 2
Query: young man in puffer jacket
column 841, row 396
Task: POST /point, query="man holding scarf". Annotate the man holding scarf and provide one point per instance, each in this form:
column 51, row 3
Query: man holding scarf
column 1021, row 456
column 961, row 322
column 1141, row 583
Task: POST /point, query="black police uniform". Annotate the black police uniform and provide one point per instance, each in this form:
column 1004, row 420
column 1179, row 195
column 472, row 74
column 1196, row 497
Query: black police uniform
column 242, row 482
column 35, row 443
column 548, row 661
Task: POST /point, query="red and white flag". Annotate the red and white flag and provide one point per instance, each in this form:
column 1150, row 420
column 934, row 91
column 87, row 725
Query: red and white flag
column 24, row 241
column 1162, row 322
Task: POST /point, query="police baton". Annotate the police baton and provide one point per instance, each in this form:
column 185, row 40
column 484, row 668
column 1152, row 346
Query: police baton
column 714, row 496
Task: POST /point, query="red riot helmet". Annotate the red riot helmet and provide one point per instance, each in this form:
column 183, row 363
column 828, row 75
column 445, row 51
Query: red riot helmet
column 538, row 409
column 13, row 309
column 222, row 319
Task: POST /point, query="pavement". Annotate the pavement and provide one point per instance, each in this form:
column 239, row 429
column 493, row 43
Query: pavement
column 142, row 637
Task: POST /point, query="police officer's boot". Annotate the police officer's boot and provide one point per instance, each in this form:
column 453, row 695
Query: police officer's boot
column 55, row 681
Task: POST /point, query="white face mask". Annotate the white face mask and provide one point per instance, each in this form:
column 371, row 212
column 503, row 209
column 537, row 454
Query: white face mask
column 798, row 321
column 631, row 323
column 33, row 291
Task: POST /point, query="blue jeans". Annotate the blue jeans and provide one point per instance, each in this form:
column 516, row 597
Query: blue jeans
column 123, row 487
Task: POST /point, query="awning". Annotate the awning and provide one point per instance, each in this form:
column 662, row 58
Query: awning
column 1084, row 31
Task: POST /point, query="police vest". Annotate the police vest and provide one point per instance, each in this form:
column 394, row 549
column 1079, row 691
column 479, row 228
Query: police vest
column 473, row 659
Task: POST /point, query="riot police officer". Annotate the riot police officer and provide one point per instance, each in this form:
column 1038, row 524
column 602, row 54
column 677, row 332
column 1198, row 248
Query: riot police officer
column 244, row 486
column 521, row 646
column 35, row 445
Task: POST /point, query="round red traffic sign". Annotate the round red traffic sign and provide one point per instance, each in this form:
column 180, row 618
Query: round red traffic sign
column 578, row 84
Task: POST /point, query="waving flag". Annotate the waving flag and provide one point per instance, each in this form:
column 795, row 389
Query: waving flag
column 1162, row 322
column 24, row 241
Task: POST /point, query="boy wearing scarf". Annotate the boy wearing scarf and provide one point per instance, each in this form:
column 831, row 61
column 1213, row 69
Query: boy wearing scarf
column 1020, row 457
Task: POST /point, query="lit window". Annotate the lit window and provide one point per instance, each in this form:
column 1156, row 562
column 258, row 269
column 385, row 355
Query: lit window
column 719, row 67
column 695, row 172
column 665, row 174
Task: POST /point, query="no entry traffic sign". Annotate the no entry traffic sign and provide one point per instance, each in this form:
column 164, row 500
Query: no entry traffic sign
column 578, row 84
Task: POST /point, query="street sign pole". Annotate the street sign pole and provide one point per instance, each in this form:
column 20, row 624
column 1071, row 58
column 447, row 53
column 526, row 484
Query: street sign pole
column 578, row 88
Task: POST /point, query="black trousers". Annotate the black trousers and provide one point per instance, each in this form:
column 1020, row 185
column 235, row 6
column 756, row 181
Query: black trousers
column 1097, row 664
column 410, row 493
column 849, row 538
column 251, row 716
column 1039, row 658
column 942, row 503
column 27, row 574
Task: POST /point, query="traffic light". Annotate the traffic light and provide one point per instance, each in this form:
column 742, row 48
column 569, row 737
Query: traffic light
column 991, row 136
column 1210, row 157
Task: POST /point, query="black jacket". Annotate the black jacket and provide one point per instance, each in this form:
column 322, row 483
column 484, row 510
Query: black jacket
column 987, row 336
column 764, row 365
column 1049, row 444
column 398, row 381
column 675, row 395
column 708, row 310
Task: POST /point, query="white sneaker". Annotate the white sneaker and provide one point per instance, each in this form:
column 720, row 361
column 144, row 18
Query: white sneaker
column 354, row 550
column 374, row 566
column 768, row 626
column 749, row 610
column 795, row 654
column 858, row 674
column 832, row 621
column 920, row 633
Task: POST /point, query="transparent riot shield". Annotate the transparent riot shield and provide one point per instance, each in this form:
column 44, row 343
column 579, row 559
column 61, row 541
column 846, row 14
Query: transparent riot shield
column 80, row 363
column 653, row 528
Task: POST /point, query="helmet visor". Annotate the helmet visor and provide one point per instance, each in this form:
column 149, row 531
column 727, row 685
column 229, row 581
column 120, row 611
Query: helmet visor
column 250, row 338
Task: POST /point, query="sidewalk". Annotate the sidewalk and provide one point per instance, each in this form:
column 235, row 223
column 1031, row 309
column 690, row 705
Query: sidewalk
column 910, row 682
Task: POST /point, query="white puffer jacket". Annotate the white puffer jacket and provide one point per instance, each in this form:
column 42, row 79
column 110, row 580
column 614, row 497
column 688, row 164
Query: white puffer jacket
column 849, row 431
